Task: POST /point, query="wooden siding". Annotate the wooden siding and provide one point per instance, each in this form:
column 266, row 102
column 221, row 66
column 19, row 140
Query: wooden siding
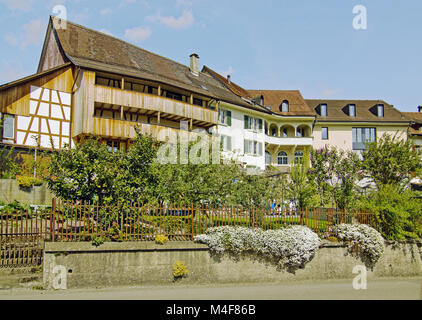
column 138, row 100
column 117, row 129
column 15, row 100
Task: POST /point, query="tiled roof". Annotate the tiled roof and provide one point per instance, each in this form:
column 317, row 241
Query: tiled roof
column 414, row 116
column 366, row 111
column 91, row 49
column 274, row 99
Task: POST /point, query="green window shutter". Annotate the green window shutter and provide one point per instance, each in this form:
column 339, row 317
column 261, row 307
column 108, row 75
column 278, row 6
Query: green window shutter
column 246, row 122
column 260, row 124
column 229, row 118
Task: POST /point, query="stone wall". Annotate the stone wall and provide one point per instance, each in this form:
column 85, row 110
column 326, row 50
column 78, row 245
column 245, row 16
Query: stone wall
column 10, row 191
column 126, row 264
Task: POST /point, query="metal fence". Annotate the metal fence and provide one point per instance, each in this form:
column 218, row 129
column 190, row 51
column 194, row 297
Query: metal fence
column 23, row 231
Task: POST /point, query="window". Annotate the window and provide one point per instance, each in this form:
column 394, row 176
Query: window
column 225, row 117
column 298, row 157
column 284, row 106
column 8, row 126
column 324, row 133
column 274, row 132
column 323, row 110
column 253, row 123
column 380, row 109
column 174, row 96
column 361, row 136
column 267, row 158
column 113, row 146
column 197, row 102
column 226, row 143
column 282, row 158
column 300, row 132
column 253, row 147
column 285, row 133
column 352, row 110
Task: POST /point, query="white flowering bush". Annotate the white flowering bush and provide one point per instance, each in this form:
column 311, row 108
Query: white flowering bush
column 364, row 241
column 291, row 247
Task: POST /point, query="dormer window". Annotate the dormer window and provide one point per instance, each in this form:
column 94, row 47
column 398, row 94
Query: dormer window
column 284, row 106
column 323, row 108
column 380, row 110
column 352, row 110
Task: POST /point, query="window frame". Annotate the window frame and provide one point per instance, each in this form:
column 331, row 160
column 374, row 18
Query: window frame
column 325, row 114
column 282, row 160
column 324, row 137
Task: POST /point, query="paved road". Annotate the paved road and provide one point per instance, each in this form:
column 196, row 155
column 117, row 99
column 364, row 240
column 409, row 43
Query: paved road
column 385, row 289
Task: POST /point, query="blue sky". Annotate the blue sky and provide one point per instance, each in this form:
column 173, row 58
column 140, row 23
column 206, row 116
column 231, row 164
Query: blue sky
column 309, row 45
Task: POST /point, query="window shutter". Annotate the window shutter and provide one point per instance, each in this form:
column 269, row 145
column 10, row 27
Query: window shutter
column 260, row 148
column 9, row 127
column 246, row 122
column 246, row 146
column 229, row 118
column 260, row 124
column 229, row 143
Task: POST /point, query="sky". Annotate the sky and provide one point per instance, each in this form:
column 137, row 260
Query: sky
column 315, row 46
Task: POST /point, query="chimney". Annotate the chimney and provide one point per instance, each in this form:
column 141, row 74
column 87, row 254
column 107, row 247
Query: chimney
column 194, row 61
column 419, row 108
column 229, row 79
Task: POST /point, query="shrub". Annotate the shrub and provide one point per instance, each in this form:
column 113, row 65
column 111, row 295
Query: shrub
column 290, row 248
column 399, row 214
column 28, row 182
column 161, row 239
column 364, row 241
column 180, row 270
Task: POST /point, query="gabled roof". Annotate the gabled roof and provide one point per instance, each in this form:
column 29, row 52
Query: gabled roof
column 274, row 98
column 94, row 50
column 366, row 111
column 32, row 77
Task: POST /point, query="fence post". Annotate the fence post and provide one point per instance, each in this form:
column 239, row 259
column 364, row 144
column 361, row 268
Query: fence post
column 53, row 220
column 192, row 222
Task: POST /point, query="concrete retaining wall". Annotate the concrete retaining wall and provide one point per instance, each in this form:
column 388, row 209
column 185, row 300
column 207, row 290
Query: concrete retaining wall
column 10, row 191
column 125, row 264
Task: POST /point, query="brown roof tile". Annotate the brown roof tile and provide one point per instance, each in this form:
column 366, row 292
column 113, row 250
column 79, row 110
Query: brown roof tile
column 95, row 50
column 274, row 98
column 366, row 111
column 414, row 116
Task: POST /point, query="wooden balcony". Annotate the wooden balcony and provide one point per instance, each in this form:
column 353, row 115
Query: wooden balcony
column 168, row 108
column 118, row 129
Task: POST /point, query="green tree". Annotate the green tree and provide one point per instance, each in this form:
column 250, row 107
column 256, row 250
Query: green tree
column 302, row 190
column 335, row 172
column 391, row 160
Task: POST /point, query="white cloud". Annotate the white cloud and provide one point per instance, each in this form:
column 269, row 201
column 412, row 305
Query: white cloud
column 33, row 33
column 138, row 34
column 23, row 5
column 184, row 21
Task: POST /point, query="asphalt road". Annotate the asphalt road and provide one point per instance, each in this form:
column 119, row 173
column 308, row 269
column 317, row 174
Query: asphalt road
column 385, row 289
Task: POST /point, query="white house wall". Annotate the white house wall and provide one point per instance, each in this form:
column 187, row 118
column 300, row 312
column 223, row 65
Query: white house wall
column 49, row 120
